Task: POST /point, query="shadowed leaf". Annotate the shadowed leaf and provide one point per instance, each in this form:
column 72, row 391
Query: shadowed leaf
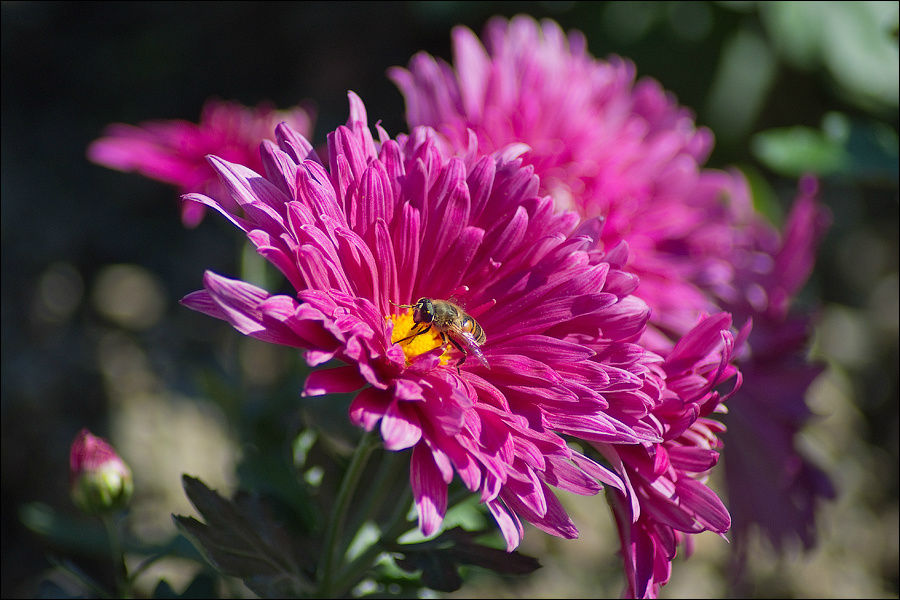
column 440, row 558
column 239, row 540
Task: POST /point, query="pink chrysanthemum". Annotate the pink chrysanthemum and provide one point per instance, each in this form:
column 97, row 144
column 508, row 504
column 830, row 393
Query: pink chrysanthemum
column 386, row 223
column 602, row 144
column 608, row 147
column 666, row 494
column 175, row 151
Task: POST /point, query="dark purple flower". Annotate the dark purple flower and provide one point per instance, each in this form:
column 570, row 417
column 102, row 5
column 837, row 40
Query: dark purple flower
column 770, row 483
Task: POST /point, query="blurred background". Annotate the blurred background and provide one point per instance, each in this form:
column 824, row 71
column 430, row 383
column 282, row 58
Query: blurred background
column 94, row 261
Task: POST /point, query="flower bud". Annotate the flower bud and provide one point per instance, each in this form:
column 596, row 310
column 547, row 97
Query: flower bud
column 100, row 479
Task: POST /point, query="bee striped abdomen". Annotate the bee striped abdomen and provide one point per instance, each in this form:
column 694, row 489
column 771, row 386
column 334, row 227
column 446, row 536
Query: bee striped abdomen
column 470, row 325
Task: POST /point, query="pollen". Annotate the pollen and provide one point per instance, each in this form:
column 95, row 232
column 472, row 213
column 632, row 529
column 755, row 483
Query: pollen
column 420, row 344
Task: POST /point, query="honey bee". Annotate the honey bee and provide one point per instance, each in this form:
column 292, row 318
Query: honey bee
column 452, row 322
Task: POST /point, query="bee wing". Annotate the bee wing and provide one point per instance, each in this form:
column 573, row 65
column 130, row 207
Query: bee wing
column 467, row 340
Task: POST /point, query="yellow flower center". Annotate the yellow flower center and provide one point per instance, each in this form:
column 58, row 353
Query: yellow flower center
column 420, row 344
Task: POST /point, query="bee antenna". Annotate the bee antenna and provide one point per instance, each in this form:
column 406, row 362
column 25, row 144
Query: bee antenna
column 402, row 305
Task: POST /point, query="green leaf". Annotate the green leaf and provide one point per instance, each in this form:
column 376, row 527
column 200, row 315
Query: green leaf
column 439, row 558
column 865, row 150
column 239, row 540
column 792, row 151
column 77, row 535
column 87, row 536
column 855, row 41
column 466, row 551
column 164, row 590
column 439, row 570
column 202, row 586
column 765, row 200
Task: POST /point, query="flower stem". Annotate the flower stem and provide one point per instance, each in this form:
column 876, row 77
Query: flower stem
column 396, row 526
column 392, row 475
column 331, row 546
column 123, row 584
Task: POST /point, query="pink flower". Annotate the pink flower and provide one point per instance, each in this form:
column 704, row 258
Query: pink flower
column 609, row 147
column 388, row 222
column 602, row 145
column 100, row 480
column 666, row 496
column 175, row 151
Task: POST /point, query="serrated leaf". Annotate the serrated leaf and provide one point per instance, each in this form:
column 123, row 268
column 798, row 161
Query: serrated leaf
column 439, row 569
column 466, row 550
column 499, row 561
column 164, row 590
column 439, row 558
column 202, row 586
column 281, row 585
column 235, row 541
column 260, row 472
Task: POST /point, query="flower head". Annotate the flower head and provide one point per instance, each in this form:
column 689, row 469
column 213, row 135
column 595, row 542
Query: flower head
column 608, row 146
column 386, row 223
column 602, row 144
column 175, row 151
column 666, row 497
column 770, row 410
column 100, row 480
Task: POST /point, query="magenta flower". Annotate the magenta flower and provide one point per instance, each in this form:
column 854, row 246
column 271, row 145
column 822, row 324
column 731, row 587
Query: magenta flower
column 609, row 147
column 389, row 222
column 666, row 495
column 175, row 151
column 602, row 145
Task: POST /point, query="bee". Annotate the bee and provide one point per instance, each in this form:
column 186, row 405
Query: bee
column 453, row 323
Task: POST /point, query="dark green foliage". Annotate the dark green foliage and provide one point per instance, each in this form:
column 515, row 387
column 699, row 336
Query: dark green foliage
column 439, row 559
column 240, row 540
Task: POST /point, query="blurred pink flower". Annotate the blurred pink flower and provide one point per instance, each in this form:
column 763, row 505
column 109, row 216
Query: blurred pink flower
column 626, row 152
column 386, row 223
column 174, row 151
column 100, row 481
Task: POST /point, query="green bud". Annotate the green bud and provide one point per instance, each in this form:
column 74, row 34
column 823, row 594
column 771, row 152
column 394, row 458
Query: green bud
column 100, row 480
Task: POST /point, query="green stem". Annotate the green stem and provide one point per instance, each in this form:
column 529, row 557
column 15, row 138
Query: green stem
column 123, row 584
column 331, row 548
column 144, row 565
column 397, row 525
column 392, row 474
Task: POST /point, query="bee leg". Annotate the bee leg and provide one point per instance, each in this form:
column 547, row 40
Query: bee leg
column 417, row 333
column 461, row 351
